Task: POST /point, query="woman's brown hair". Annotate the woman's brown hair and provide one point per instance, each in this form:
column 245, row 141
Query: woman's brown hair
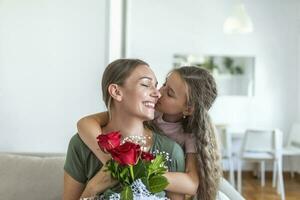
column 116, row 73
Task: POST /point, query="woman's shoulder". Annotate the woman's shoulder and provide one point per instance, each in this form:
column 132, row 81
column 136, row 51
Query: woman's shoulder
column 174, row 150
column 80, row 162
column 78, row 147
column 76, row 141
column 161, row 139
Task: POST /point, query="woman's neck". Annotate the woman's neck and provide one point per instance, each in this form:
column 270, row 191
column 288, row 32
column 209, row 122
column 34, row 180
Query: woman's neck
column 127, row 126
column 130, row 128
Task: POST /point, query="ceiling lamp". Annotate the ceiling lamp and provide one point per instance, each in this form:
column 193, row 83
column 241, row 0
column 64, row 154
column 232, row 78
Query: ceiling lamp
column 239, row 21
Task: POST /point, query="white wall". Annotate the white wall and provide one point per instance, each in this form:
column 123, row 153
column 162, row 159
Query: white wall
column 52, row 54
column 158, row 29
column 299, row 67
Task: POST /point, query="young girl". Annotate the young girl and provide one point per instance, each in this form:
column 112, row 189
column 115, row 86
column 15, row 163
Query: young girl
column 187, row 95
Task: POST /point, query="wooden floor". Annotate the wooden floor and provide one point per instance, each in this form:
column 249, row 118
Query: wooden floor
column 252, row 190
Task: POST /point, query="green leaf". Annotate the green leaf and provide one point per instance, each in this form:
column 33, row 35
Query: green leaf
column 157, row 184
column 159, row 159
column 146, row 182
column 113, row 167
column 123, row 175
column 157, row 166
column 126, row 193
column 140, row 170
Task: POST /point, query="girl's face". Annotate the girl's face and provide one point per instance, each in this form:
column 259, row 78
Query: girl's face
column 140, row 93
column 173, row 96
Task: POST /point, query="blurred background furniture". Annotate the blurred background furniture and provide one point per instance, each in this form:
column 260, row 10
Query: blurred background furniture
column 261, row 146
column 31, row 176
column 226, row 149
column 292, row 147
column 227, row 191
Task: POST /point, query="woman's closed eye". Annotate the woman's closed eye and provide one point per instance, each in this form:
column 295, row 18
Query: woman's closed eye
column 145, row 85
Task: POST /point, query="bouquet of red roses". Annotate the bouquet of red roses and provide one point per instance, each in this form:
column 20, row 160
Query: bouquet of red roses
column 130, row 165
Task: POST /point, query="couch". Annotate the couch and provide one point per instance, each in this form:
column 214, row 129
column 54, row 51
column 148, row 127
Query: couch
column 25, row 176
column 39, row 176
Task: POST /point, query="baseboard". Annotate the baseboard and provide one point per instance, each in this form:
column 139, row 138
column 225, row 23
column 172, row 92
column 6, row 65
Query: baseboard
column 268, row 174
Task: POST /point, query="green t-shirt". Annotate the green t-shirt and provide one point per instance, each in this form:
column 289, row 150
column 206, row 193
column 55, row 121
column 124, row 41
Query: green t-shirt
column 82, row 164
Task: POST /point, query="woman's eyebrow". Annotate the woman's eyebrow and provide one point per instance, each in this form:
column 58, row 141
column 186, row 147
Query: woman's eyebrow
column 146, row 77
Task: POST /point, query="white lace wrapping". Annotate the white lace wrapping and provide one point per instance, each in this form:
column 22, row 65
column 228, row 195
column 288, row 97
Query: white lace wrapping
column 139, row 191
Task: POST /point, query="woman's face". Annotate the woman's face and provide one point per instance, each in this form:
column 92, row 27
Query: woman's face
column 173, row 96
column 140, row 93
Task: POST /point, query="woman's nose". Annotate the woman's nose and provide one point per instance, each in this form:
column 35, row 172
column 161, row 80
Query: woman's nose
column 156, row 93
column 161, row 90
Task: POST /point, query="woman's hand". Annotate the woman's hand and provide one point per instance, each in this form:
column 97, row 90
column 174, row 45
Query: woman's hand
column 99, row 183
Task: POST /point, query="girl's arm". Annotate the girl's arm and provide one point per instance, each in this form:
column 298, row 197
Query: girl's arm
column 89, row 128
column 185, row 183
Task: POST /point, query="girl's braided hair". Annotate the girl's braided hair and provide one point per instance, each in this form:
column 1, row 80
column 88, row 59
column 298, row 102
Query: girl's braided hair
column 201, row 93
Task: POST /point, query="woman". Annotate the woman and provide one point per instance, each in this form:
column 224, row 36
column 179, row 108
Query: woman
column 182, row 115
column 130, row 94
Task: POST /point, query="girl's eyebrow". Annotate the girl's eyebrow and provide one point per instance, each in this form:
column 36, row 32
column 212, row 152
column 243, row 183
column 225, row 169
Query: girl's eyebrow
column 149, row 78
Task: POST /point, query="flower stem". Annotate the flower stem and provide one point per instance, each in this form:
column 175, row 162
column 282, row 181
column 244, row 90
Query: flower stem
column 131, row 172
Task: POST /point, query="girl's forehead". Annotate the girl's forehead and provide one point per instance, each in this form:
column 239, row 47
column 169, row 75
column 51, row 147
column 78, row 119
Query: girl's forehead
column 174, row 78
column 175, row 81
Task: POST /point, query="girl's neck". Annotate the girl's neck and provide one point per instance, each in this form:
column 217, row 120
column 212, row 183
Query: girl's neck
column 172, row 118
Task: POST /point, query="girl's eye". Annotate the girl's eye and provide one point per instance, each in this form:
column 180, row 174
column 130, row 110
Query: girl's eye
column 164, row 84
column 169, row 94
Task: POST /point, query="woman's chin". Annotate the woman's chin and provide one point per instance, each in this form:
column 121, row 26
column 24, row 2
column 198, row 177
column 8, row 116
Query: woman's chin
column 149, row 116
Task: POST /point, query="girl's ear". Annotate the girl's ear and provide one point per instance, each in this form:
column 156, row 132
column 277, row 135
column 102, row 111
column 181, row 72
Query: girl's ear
column 188, row 110
column 115, row 92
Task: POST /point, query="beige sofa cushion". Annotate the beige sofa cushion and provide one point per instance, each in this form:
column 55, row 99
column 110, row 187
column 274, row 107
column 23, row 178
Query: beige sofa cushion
column 29, row 177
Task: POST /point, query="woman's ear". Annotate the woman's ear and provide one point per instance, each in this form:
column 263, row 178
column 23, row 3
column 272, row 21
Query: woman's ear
column 188, row 110
column 115, row 92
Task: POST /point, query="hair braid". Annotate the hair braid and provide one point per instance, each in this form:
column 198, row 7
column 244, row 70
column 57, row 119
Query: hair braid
column 201, row 94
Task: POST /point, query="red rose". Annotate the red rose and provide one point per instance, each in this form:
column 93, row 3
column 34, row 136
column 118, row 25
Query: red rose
column 109, row 141
column 147, row 156
column 126, row 154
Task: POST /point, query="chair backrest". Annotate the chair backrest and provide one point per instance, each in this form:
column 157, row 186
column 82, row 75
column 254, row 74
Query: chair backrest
column 262, row 140
column 294, row 136
column 225, row 140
